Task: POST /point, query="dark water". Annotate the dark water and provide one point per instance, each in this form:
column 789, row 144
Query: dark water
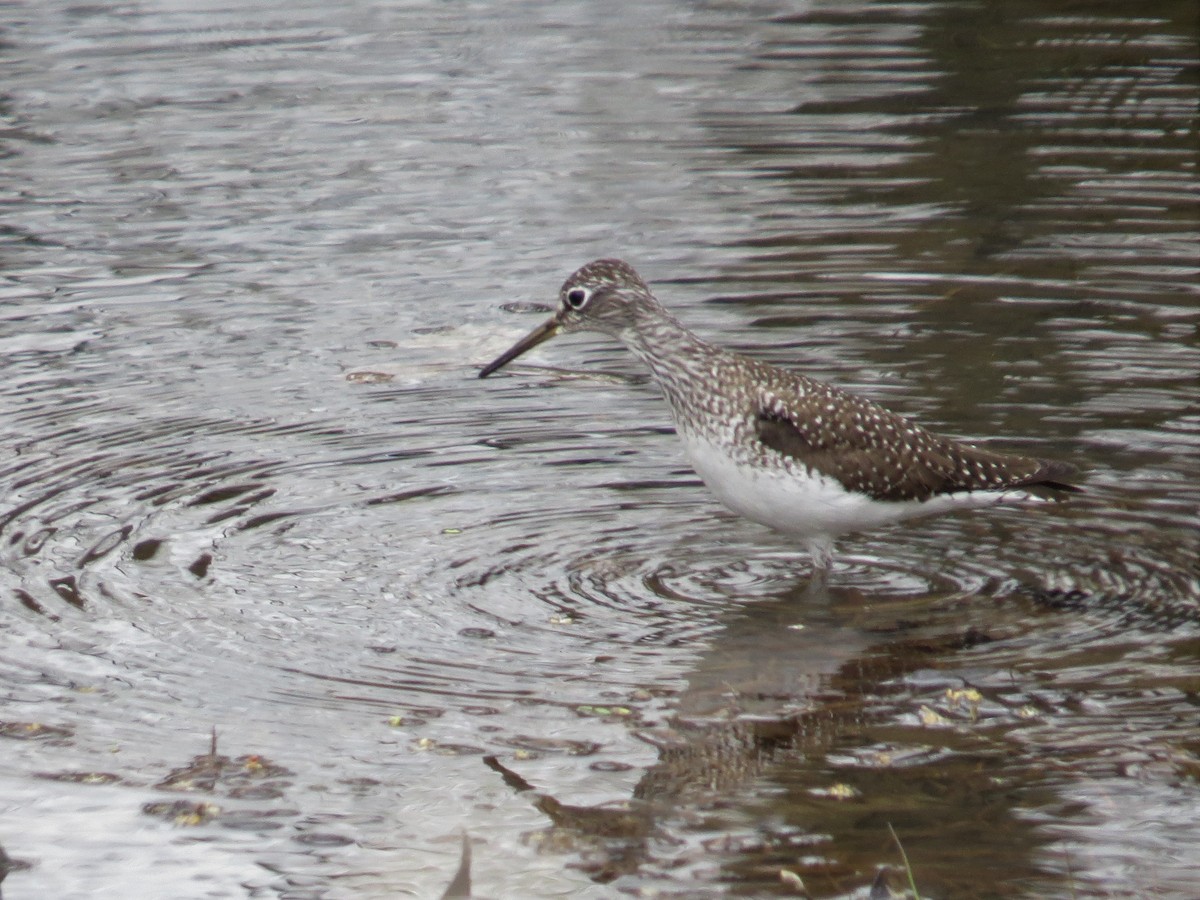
column 252, row 255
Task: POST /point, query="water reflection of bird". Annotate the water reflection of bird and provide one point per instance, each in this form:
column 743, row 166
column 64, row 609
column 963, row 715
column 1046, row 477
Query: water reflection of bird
column 782, row 449
column 459, row 887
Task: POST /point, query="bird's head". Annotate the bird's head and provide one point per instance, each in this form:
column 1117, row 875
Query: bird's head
column 603, row 296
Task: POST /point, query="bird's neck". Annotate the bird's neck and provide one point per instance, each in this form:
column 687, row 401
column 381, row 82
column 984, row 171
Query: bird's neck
column 663, row 343
column 680, row 360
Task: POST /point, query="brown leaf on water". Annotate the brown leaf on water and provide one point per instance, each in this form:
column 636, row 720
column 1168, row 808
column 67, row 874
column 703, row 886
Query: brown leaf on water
column 26, row 731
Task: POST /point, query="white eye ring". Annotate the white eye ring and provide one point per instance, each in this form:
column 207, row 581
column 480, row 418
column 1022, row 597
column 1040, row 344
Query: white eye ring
column 578, row 297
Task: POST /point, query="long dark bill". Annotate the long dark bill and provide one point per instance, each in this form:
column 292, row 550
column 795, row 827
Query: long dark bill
column 539, row 335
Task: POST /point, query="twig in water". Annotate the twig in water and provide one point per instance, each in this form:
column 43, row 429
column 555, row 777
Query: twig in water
column 912, row 882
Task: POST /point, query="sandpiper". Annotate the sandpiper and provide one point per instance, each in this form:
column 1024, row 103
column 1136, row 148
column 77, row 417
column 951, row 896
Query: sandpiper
column 782, row 449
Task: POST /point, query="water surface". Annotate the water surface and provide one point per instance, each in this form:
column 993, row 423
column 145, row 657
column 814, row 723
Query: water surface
column 252, row 258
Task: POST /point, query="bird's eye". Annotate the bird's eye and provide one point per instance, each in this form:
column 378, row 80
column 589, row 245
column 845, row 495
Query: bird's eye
column 577, row 297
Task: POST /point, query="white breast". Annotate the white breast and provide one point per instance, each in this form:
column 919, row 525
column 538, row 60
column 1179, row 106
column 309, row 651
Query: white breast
column 808, row 504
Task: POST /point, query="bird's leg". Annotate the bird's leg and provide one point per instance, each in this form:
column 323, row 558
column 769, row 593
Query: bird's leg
column 821, row 550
